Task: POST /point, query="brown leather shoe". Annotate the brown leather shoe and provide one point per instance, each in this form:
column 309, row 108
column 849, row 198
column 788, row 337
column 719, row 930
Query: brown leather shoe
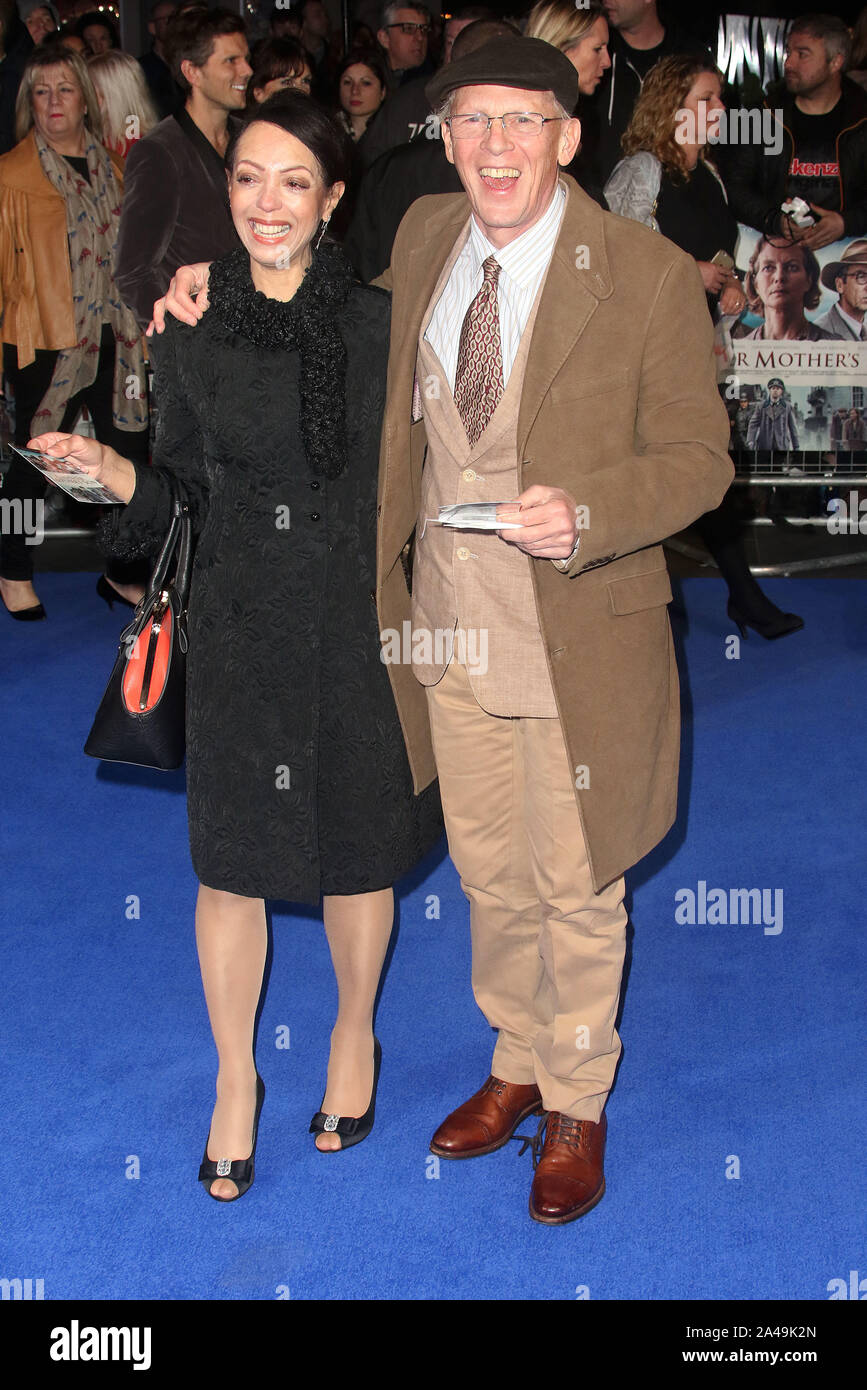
column 486, row 1121
column 569, row 1179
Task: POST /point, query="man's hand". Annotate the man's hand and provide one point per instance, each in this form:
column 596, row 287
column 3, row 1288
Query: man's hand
column 548, row 519
column 828, row 228
column 187, row 281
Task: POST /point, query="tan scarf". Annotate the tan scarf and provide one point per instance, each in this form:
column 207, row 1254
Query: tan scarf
column 92, row 218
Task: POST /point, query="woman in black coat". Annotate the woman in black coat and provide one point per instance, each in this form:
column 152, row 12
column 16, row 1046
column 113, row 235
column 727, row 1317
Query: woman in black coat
column 298, row 782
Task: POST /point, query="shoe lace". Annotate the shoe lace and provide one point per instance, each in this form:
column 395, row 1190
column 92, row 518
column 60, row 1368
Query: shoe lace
column 533, row 1141
column 562, row 1129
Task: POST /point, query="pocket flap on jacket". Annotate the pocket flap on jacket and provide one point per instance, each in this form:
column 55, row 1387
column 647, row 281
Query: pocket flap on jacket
column 574, row 388
column 636, row 591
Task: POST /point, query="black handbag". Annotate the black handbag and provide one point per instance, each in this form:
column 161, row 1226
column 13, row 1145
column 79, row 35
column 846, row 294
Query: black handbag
column 141, row 715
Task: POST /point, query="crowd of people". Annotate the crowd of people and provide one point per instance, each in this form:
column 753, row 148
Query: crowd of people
column 166, row 118
column 258, row 156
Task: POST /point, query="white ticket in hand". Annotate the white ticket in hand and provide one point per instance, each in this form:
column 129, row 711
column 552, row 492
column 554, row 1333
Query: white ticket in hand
column 80, row 485
column 474, row 516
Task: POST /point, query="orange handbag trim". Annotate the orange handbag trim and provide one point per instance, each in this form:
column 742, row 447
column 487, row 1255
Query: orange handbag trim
column 145, row 676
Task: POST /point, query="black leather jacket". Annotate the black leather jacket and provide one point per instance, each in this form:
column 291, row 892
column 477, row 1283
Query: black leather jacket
column 757, row 181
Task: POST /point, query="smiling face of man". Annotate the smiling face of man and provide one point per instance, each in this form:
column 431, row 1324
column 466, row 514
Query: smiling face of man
column 509, row 178
column 222, row 80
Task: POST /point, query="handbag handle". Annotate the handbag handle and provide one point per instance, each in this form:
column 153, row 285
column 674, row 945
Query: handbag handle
column 178, row 539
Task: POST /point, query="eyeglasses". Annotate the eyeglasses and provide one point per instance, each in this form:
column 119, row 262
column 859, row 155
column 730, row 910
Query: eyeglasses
column 859, row 276
column 513, row 122
column 410, row 29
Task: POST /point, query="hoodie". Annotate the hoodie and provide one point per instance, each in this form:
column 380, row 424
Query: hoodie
column 609, row 110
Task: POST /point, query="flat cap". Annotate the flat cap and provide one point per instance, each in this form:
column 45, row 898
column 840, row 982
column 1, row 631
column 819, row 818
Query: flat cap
column 509, row 62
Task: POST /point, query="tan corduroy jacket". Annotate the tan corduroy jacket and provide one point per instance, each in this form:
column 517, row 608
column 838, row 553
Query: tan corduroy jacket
column 620, row 408
column 35, row 275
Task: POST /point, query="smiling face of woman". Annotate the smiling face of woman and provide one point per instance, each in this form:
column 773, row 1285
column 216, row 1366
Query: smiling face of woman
column 278, row 198
column 361, row 92
column 58, row 108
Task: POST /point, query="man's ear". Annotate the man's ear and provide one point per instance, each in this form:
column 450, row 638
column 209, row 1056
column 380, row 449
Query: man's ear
column 382, row 38
column 190, row 72
column 569, row 141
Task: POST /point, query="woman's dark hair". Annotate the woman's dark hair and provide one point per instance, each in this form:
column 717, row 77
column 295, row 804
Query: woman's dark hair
column 301, row 116
column 94, row 17
column 273, row 58
column 370, row 58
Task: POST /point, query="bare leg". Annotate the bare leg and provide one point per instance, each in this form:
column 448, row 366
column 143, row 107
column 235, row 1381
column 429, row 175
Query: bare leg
column 133, row 592
column 231, row 935
column 358, row 928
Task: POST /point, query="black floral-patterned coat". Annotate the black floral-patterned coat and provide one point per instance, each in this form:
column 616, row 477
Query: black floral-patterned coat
column 297, row 776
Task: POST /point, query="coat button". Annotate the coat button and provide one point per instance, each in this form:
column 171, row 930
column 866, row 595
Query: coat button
column 469, row 475
column 315, row 486
column 462, row 553
column 314, row 516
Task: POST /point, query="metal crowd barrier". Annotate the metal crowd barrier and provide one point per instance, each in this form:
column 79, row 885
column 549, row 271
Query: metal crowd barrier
column 832, row 470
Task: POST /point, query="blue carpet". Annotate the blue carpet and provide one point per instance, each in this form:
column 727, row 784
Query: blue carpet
column 743, row 1045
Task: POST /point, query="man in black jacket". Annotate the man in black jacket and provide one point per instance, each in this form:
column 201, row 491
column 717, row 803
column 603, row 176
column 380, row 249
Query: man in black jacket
column 637, row 39
column 176, row 199
column 822, row 148
column 165, row 93
column 407, row 172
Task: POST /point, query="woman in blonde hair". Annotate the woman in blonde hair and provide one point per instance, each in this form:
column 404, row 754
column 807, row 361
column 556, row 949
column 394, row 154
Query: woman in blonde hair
column 128, row 112
column 581, row 33
column 68, row 339
column 668, row 182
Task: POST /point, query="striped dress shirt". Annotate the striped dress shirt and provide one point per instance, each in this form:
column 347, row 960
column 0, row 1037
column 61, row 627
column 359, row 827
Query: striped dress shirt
column 523, row 265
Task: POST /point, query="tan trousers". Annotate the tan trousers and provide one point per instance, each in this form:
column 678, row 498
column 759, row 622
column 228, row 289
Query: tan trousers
column 547, row 950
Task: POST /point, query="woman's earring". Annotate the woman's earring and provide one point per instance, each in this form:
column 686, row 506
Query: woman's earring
column 322, row 229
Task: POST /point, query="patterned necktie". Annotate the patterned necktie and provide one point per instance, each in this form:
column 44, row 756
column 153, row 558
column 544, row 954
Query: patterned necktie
column 479, row 374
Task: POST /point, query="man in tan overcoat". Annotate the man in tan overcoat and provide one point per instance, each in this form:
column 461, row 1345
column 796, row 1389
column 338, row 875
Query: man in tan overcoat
column 553, row 356
column 545, row 351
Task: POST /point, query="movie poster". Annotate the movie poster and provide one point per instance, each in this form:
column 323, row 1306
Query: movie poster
column 793, row 368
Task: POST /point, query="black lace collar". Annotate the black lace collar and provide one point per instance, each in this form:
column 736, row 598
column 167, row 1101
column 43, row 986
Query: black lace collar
column 308, row 322
column 271, row 323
